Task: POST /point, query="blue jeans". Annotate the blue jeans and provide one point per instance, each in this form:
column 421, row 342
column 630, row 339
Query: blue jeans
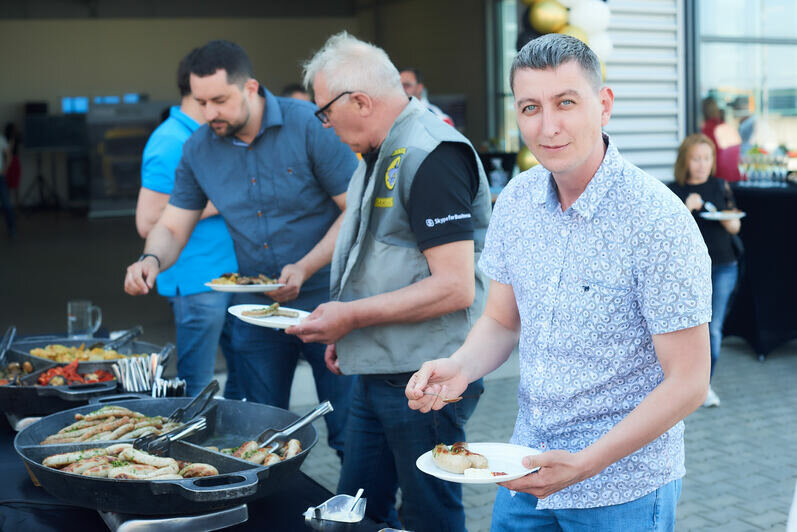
column 202, row 326
column 654, row 512
column 384, row 439
column 265, row 360
column 723, row 281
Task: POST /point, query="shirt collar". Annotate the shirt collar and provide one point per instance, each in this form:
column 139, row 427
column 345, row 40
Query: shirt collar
column 272, row 115
column 190, row 124
column 544, row 190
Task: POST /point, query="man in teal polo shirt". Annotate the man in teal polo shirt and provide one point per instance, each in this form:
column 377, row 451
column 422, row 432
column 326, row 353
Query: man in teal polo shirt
column 199, row 314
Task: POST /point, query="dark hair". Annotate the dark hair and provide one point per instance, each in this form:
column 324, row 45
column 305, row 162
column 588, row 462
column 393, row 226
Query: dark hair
column 553, row 50
column 224, row 55
column 711, row 110
column 289, row 89
column 415, row 71
column 184, row 73
column 10, row 131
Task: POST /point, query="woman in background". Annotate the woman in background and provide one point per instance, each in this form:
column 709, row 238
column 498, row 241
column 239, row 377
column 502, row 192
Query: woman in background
column 697, row 187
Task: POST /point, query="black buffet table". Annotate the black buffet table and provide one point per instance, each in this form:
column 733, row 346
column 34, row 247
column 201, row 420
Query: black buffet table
column 764, row 311
column 26, row 507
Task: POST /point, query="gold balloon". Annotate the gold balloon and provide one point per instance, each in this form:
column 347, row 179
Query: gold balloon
column 548, row 16
column 525, row 159
column 603, row 71
column 575, row 31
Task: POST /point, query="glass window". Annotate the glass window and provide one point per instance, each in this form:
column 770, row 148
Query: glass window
column 747, row 56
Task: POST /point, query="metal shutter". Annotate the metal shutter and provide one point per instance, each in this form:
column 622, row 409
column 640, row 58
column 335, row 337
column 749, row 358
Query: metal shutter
column 645, row 71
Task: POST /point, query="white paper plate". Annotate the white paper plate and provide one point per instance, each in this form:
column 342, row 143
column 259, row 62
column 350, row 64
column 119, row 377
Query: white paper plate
column 243, row 288
column 273, row 322
column 501, row 457
column 723, row 215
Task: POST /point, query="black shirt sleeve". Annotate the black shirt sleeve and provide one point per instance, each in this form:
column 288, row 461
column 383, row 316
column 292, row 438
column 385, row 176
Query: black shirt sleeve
column 441, row 197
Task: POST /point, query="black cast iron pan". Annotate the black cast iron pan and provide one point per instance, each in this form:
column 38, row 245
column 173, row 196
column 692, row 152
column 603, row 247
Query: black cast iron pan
column 230, row 423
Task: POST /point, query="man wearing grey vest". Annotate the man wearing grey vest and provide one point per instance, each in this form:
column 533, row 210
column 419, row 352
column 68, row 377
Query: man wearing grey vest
column 404, row 283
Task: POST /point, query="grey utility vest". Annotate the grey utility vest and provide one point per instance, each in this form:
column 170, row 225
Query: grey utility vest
column 376, row 250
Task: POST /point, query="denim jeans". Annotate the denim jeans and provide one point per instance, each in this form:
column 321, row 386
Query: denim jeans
column 384, row 439
column 202, row 326
column 654, row 512
column 265, row 360
column 723, row 281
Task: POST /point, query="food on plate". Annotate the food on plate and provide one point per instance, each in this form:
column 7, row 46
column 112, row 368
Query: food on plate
column 62, row 353
column 251, row 452
column 110, row 423
column 122, row 462
column 13, row 373
column 457, row 458
column 234, row 278
column 271, row 310
column 472, row 472
column 68, row 375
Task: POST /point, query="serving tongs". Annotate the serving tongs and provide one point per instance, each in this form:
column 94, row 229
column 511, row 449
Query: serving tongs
column 5, row 343
column 159, row 444
column 206, row 395
column 113, row 345
column 267, row 437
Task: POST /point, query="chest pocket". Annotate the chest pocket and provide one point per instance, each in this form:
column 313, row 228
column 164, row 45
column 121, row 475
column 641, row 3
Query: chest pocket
column 596, row 313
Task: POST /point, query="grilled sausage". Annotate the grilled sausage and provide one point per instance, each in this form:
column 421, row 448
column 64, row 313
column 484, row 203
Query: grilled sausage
column 100, row 471
column 143, row 431
column 104, row 427
column 82, row 465
column 140, row 457
column 271, row 459
column 118, row 448
column 198, row 470
column 256, row 456
column 245, row 447
column 59, row 460
column 294, row 447
column 132, row 472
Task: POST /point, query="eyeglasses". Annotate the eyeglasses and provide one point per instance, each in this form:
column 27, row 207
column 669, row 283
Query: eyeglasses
column 321, row 114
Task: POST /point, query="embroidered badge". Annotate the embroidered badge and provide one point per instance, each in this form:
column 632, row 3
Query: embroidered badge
column 391, row 176
column 383, row 202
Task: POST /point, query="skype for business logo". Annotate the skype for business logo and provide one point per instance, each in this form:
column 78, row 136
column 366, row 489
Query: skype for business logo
column 431, row 222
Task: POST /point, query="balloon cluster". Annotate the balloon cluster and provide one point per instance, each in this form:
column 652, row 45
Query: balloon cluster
column 586, row 20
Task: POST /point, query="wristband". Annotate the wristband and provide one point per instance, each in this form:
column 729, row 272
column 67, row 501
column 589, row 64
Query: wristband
column 145, row 255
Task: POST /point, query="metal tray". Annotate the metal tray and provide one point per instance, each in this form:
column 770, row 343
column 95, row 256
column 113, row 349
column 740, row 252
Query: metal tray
column 32, row 399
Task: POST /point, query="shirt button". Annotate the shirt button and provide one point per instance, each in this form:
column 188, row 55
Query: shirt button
column 564, row 231
column 265, row 246
column 253, row 180
column 554, row 278
column 260, row 213
column 290, row 170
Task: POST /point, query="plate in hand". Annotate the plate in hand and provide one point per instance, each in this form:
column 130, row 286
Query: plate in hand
column 723, row 215
column 273, row 322
column 243, row 288
column 501, row 457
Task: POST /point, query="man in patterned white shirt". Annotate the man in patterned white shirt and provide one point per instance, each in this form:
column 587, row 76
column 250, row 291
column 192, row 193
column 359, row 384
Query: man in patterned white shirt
column 601, row 275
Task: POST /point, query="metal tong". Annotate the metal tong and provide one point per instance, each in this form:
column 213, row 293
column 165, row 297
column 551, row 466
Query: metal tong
column 113, row 345
column 206, row 394
column 159, row 444
column 267, row 437
column 5, row 343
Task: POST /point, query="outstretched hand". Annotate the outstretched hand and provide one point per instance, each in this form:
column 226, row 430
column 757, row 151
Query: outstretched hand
column 436, row 381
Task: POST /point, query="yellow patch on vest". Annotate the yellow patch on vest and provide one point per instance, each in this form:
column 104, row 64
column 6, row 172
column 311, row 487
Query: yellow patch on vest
column 383, row 202
column 400, row 151
column 391, row 176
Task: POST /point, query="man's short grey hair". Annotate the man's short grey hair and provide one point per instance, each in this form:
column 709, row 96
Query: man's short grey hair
column 349, row 64
column 553, row 50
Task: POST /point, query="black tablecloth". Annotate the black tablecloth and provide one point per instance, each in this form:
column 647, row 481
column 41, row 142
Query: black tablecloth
column 764, row 311
column 25, row 507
